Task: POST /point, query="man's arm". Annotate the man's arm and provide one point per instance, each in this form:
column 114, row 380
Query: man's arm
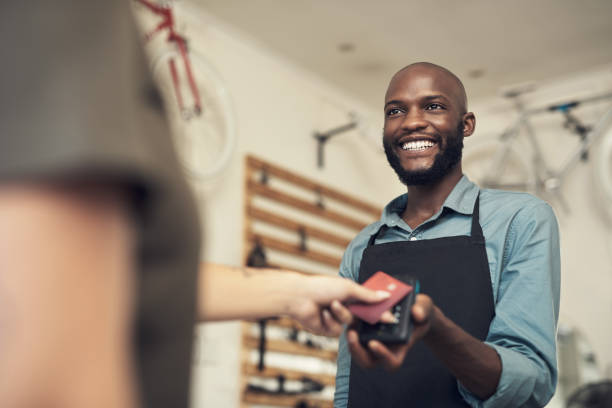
column 315, row 301
column 66, row 272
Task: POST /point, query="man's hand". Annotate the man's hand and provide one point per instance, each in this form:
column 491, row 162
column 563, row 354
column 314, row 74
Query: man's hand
column 391, row 357
column 321, row 309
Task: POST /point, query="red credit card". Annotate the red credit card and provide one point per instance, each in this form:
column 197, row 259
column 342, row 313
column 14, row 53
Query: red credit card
column 371, row 312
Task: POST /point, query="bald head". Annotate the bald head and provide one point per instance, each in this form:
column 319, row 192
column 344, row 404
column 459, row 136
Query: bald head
column 453, row 83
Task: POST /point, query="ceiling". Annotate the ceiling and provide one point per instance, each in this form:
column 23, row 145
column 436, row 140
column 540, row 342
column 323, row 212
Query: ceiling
column 359, row 44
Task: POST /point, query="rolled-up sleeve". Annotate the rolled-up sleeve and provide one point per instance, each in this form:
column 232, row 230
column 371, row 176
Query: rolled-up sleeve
column 523, row 331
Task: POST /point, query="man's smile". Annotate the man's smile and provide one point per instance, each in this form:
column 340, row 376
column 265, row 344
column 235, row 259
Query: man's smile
column 417, row 144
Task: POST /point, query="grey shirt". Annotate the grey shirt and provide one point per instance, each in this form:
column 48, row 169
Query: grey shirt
column 77, row 103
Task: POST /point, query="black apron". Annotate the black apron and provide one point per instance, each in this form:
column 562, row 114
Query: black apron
column 454, row 272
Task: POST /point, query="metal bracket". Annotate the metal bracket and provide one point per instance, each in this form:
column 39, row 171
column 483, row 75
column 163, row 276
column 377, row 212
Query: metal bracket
column 323, row 137
column 302, row 234
column 264, row 177
column 320, row 202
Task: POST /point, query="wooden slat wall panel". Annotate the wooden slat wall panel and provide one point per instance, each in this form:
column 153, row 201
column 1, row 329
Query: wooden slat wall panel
column 325, row 232
column 313, row 208
column 283, row 222
column 279, row 245
column 258, row 164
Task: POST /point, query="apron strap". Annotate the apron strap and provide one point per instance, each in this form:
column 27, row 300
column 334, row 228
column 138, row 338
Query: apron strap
column 477, row 234
column 383, row 228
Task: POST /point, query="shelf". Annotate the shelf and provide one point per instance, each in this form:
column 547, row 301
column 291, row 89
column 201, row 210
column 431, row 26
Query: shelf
column 284, row 400
column 289, row 347
column 273, row 372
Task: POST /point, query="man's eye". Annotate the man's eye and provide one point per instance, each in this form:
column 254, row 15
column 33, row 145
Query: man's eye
column 434, row 106
column 393, row 112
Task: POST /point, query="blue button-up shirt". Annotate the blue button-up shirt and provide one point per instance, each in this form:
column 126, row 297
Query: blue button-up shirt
column 522, row 244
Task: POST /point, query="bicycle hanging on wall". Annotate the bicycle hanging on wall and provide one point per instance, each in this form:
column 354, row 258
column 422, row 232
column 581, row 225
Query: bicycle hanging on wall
column 497, row 163
column 199, row 109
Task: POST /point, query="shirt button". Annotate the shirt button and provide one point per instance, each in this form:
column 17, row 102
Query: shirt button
column 413, row 238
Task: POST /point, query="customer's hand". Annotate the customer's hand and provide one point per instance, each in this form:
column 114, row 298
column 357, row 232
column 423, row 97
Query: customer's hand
column 320, row 303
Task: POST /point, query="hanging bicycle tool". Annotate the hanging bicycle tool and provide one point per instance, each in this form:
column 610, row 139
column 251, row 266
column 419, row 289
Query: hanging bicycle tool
column 257, row 259
column 304, row 385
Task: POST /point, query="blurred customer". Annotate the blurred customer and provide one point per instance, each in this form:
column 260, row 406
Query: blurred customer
column 99, row 236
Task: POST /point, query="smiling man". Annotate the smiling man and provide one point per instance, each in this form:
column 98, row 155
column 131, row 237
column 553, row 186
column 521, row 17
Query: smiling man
column 487, row 260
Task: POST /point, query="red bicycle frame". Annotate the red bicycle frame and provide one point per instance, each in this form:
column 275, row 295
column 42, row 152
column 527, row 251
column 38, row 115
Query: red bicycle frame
column 181, row 43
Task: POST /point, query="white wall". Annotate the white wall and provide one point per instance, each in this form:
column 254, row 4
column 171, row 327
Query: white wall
column 278, row 105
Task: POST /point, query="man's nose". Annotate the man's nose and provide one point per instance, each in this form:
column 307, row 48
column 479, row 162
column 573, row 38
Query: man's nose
column 414, row 120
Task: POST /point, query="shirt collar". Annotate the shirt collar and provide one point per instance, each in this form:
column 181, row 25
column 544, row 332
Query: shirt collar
column 461, row 199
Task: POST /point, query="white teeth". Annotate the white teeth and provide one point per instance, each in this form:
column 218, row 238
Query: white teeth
column 417, row 145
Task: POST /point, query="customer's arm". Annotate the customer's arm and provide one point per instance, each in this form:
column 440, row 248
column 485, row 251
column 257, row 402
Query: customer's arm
column 66, row 272
column 315, row 301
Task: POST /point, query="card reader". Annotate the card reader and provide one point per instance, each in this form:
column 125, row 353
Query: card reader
column 392, row 333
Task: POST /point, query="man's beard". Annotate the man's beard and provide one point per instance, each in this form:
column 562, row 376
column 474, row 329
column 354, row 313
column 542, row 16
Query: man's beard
column 444, row 161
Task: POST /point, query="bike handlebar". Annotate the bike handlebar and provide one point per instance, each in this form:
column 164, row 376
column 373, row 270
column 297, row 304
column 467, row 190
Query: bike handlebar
column 566, row 106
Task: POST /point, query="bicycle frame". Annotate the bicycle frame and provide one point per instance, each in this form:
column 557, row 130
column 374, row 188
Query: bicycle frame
column 181, row 43
column 548, row 180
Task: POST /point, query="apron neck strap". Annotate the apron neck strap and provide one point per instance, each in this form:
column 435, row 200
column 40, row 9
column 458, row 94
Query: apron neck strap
column 476, row 228
column 383, row 228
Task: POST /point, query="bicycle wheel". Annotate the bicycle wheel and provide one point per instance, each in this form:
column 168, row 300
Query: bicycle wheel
column 603, row 168
column 495, row 164
column 205, row 140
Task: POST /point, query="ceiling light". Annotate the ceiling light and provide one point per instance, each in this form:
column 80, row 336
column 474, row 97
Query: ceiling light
column 346, row 47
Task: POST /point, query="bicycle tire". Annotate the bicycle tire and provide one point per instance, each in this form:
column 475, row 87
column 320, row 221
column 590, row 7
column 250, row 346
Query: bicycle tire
column 491, row 163
column 603, row 168
column 205, row 142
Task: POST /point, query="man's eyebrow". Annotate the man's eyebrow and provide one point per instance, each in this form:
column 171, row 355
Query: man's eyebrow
column 437, row 96
column 393, row 102
column 425, row 98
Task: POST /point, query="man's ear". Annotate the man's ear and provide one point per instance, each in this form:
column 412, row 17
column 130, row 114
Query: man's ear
column 469, row 124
